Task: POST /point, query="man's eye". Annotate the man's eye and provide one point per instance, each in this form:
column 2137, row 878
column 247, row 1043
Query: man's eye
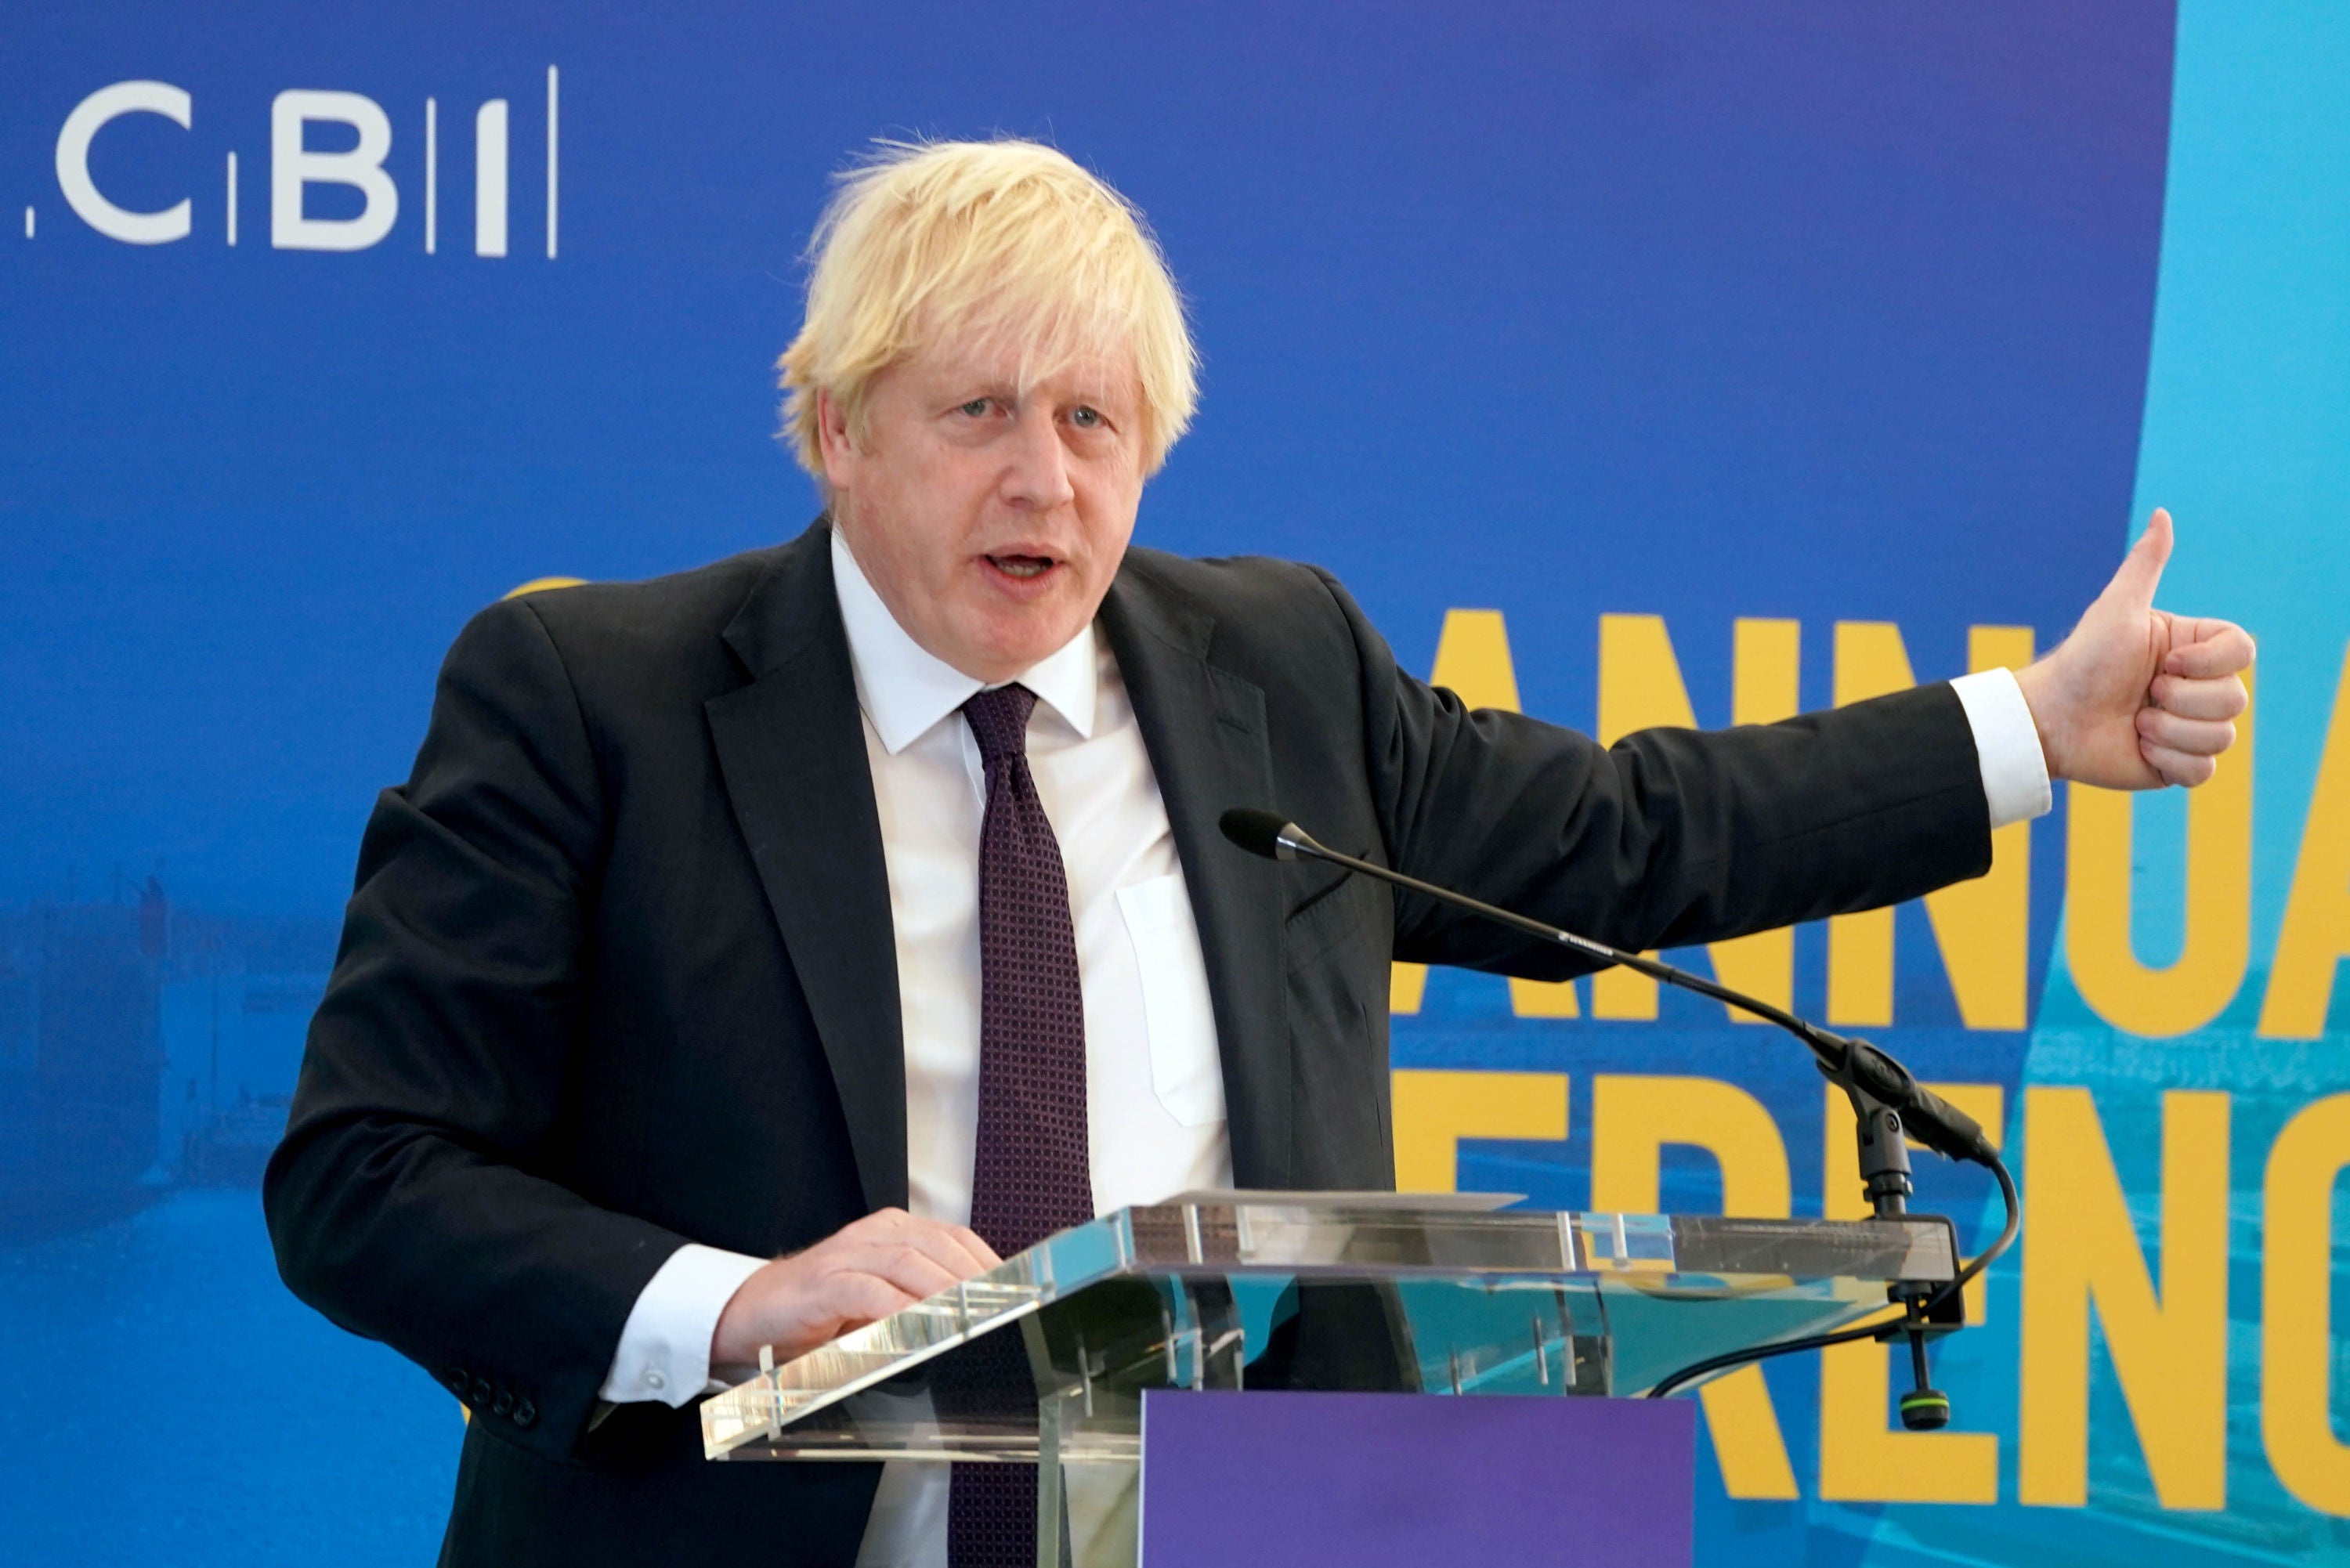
column 976, row 408
column 1086, row 417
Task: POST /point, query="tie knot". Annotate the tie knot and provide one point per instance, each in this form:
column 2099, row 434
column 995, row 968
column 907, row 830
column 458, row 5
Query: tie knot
column 999, row 722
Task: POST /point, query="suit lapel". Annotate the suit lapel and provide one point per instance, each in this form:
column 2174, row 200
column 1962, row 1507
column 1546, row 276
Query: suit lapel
column 790, row 748
column 1205, row 730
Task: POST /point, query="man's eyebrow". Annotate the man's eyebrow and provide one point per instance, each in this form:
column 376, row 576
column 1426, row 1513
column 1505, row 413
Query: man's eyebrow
column 962, row 388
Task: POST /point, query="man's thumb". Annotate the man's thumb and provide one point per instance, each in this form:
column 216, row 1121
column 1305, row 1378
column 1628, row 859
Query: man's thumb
column 2141, row 569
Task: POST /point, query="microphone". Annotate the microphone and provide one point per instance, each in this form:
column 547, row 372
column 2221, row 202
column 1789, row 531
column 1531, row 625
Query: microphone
column 1885, row 1101
column 1854, row 1063
column 1262, row 833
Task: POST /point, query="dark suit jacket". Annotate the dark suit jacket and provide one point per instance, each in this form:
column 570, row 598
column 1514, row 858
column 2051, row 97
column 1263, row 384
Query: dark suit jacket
column 618, row 973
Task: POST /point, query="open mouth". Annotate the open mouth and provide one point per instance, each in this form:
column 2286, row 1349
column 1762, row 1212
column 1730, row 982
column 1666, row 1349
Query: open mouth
column 1022, row 569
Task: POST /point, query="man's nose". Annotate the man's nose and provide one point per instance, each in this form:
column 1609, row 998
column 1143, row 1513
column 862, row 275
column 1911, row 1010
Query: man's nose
column 1037, row 474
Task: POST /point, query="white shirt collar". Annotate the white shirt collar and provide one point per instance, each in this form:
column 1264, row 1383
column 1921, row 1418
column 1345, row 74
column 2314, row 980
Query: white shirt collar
column 904, row 689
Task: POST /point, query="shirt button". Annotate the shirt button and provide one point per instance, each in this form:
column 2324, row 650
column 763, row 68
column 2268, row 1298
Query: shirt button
column 654, row 1380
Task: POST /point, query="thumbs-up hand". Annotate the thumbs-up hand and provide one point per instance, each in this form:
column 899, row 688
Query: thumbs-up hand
column 2137, row 698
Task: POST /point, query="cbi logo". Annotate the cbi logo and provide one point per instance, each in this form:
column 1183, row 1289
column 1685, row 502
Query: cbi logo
column 303, row 122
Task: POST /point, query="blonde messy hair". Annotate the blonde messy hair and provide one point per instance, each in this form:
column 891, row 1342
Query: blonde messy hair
column 1005, row 240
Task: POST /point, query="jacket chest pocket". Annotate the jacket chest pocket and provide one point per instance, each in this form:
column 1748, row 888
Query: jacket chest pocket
column 1185, row 1072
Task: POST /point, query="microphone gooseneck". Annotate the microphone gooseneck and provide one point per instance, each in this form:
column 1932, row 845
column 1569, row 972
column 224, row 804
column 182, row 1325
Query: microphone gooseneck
column 1888, row 1104
column 1927, row 1117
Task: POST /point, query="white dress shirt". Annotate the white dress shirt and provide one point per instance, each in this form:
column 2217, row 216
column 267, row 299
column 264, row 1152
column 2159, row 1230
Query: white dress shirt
column 1154, row 1084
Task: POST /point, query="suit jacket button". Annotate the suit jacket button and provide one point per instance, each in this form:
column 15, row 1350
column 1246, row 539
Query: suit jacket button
column 504, row 1405
column 458, row 1383
column 482, row 1393
column 524, row 1413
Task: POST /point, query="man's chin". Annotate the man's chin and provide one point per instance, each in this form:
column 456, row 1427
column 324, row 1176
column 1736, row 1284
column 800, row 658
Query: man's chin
column 1010, row 644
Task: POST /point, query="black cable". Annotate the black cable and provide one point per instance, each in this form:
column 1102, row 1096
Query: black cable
column 1887, row 1330
column 1751, row 1353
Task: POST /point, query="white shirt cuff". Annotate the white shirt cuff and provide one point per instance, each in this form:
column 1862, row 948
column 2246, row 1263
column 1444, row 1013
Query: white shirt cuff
column 664, row 1351
column 2007, row 744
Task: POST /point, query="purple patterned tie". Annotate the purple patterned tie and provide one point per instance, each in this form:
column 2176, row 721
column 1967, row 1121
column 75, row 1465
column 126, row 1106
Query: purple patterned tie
column 1030, row 1174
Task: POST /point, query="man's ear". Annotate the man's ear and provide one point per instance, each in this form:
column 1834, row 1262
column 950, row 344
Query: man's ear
column 834, row 443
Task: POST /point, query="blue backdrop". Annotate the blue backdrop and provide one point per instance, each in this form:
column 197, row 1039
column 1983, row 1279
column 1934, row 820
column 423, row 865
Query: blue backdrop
column 1839, row 314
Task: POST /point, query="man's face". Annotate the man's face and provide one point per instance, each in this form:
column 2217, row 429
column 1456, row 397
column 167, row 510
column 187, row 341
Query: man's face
column 990, row 518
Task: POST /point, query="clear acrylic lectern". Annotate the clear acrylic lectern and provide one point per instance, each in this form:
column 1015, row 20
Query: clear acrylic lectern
column 1047, row 1359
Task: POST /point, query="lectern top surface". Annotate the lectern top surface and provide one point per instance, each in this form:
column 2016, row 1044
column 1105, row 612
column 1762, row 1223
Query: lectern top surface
column 1216, row 1291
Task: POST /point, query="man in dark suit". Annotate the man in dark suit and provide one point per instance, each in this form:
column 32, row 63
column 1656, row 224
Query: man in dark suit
column 754, row 951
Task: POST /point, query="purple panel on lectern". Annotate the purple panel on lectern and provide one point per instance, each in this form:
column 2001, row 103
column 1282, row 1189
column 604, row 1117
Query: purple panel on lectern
column 1386, row 1480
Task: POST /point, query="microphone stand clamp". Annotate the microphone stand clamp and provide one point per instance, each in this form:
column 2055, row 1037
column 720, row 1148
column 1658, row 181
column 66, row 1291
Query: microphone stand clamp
column 1884, row 1151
